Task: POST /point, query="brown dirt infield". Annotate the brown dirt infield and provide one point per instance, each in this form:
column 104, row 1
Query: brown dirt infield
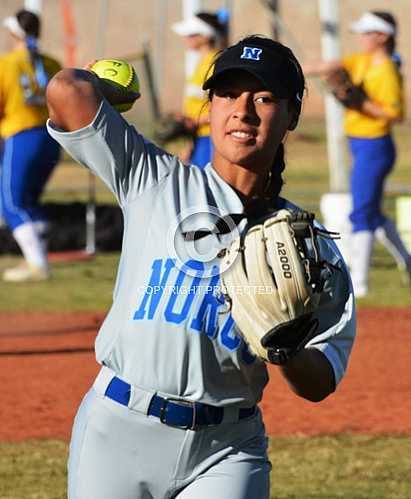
column 48, row 364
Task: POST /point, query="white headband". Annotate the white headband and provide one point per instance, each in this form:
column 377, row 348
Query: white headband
column 12, row 24
column 194, row 26
column 369, row 22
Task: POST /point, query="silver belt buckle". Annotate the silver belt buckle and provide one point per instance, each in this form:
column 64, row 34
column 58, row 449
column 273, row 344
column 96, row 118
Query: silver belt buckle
column 183, row 403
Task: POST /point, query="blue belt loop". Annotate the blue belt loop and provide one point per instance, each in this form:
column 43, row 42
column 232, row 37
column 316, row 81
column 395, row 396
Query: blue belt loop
column 119, row 391
column 179, row 413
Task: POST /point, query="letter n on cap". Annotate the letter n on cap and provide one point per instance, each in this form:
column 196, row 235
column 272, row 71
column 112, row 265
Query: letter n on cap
column 251, row 53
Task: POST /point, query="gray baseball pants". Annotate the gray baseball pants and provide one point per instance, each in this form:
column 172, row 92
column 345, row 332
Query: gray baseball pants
column 118, row 452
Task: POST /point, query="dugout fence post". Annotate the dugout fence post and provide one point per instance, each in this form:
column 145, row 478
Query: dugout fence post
column 92, row 199
column 335, row 205
column 151, row 83
column 91, row 216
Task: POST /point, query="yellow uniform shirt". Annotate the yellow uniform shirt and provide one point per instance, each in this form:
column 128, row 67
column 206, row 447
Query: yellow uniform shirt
column 17, row 81
column 383, row 85
column 195, row 101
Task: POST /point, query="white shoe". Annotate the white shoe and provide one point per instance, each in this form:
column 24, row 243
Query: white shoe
column 405, row 274
column 361, row 249
column 26, row 272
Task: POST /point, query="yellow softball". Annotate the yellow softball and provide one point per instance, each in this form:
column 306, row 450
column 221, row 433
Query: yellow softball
column 119, row 73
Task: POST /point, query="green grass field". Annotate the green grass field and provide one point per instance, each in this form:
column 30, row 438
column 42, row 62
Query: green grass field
column 326, row 467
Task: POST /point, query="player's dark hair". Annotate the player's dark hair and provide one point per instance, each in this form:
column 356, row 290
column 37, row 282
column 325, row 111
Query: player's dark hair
column 390, row 19
column 276, row 180
column 291, row 72
column 29, row 22
column 221, row 28
column 31, row 25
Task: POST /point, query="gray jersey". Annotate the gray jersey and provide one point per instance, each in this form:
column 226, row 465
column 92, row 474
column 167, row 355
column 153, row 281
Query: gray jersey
column 169, row 329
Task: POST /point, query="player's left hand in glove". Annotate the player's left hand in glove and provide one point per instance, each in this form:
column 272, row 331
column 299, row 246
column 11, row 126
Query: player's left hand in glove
column 351, row 96
column 271, row 277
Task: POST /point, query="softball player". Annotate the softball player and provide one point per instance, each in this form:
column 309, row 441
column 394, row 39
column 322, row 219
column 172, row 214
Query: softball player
column 174, row 411
column 373, row 151
column 205, row 34
column 29, row 154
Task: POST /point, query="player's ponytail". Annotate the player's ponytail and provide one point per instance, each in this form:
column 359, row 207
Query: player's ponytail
column 29, row 22
column 219, row 22
column 295, row 101
column 276, row 181
column 390, row 19
column 41, row 75
column 390, row 44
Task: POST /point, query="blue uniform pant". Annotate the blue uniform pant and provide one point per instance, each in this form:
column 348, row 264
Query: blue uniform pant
column 373, row 159
column 202, row 151
column 28, row 159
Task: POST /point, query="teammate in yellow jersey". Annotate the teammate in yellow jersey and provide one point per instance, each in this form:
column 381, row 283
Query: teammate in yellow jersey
column 376, row 69
column 29, row 153
column 204, row 33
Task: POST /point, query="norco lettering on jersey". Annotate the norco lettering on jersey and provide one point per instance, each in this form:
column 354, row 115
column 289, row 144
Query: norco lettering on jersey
column 178, row 307
column 285, row 264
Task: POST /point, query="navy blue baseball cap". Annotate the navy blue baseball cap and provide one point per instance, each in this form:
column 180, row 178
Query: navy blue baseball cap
column 271, row 62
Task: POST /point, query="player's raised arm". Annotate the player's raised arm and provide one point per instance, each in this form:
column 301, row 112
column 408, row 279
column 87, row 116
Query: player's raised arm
column 74, row 97
column 84, row 109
